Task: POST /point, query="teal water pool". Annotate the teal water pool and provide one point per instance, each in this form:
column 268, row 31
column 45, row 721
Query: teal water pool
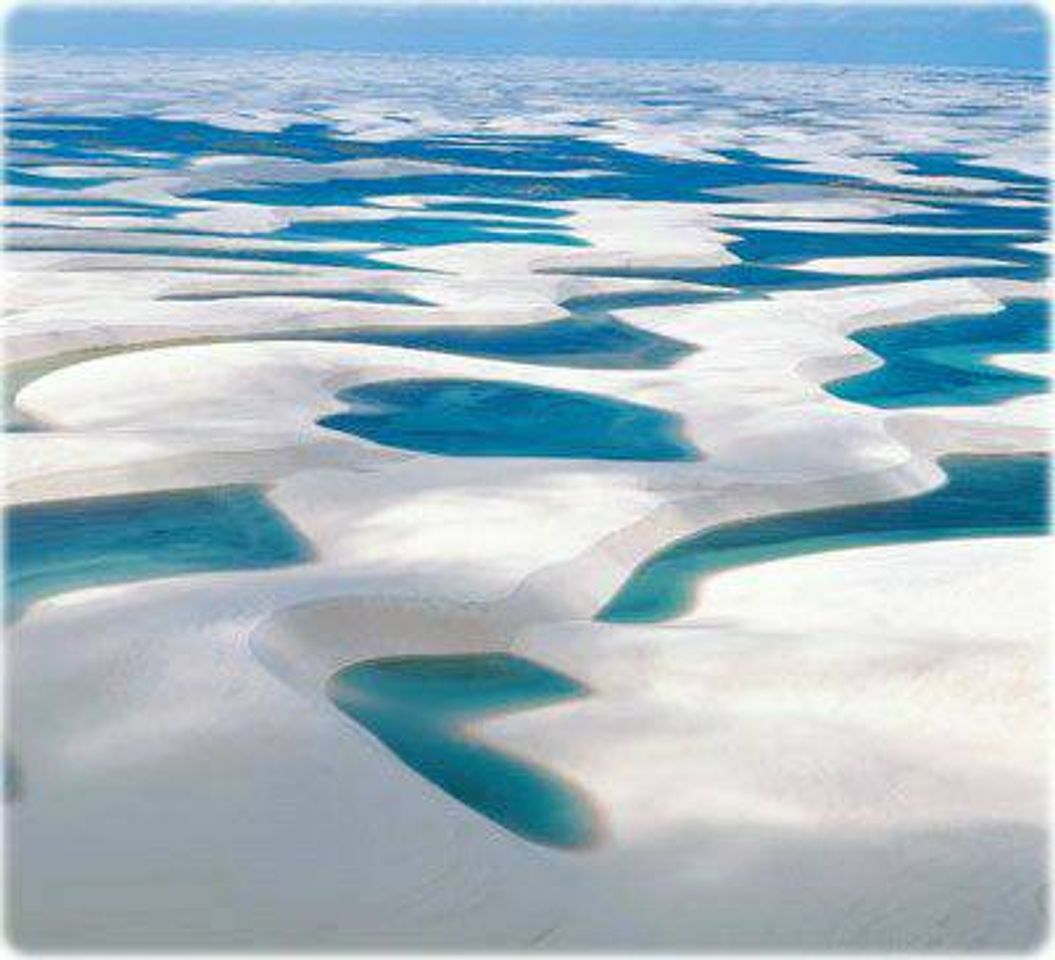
column 480, row 418
column 983, row 497
column 65, row 545
column 592, row 341
column 422, row 708
column 944, row 361
column 590, row 336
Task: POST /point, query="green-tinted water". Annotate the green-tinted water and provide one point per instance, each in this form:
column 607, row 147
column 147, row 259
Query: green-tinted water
column 421, row 707
column 984, row 497
column 68, row 544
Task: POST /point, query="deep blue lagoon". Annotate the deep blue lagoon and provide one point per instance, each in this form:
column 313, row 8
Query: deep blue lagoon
column 482, row 418
column 590, row 337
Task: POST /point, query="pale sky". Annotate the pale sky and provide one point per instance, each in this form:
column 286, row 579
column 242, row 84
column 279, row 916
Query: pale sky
column 1010, row 35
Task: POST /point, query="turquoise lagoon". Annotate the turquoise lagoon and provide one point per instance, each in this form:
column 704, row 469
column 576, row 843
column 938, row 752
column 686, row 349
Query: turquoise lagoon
column 587, row 340
column 481, row 418
column 983, row 497
column 421, row 708
column 64, row 545
column 420, row 231
column 591, row 336
column 944, row 361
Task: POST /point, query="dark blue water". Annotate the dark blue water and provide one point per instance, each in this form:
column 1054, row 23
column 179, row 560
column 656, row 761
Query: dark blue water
column 478, row 418
column 87, row 141
column 61, row 546
column 490, row 208
column 349, row 296
column 591, row 337
column 974, row 215
column 760, row 246
column 519, row 188
column 169, row 142
column 964, row 229
column 588, row 342
column 984, row 497
column 87, row 206
column 14, row 177
column 949, row 164
column 754, row 158
column 406, row 231
column 420, row 708
column 942, row 362
column 619, row 173
column 115, row 139
column 939, row 212
column 420, row 231
column 766, row 253
column 760, row 279
column 303, row 256
column 534, row 158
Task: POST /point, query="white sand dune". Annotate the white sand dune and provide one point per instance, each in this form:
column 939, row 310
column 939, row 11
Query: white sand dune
column 880, row 266
column 836, row 751
column 1035, row 363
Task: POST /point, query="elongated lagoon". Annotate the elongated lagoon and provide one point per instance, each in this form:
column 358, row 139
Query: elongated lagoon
column 590, row 336
column 983, row 497
column 422, row 708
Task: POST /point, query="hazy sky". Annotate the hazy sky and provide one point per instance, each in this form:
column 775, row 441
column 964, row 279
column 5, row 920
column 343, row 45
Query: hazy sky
column 955, row 34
